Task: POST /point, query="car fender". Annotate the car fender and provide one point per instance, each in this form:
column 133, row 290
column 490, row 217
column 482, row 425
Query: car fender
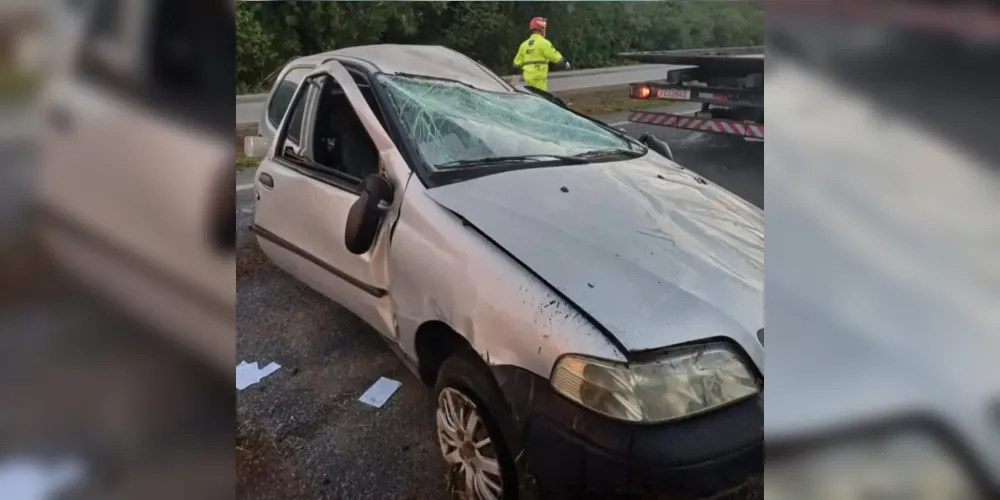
column 442, row 269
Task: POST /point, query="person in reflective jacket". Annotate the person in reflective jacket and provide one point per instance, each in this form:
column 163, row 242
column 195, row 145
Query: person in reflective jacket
column 535, row 54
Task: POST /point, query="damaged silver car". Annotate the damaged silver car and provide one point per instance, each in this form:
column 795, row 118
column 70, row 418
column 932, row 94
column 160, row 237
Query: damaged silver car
column 588, row 312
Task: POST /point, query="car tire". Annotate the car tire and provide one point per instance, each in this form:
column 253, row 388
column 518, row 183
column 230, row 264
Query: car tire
column 464, row 381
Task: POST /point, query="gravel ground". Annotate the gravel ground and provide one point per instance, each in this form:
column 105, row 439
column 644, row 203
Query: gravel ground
column 308, row 435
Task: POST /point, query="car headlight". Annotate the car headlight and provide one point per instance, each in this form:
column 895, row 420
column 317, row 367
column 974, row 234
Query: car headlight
column 911, row 466
column 686, row 381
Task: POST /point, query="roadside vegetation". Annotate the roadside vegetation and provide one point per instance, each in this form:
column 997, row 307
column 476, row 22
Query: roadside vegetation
column 18, row 85
column 589, row 34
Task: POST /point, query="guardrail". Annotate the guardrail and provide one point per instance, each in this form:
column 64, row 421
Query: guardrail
column 555, row 75
column 723, row 51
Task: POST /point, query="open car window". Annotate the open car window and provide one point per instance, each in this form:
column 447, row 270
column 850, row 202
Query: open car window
column 281, row 98
column 452, row 122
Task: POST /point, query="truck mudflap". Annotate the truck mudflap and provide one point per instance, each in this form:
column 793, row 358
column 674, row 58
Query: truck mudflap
column 747, row 130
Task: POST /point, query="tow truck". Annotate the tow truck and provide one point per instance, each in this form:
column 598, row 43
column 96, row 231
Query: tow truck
column 728, row 83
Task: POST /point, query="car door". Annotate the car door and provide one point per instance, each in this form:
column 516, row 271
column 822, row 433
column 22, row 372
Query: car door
column 302, row 203
column 138, row 158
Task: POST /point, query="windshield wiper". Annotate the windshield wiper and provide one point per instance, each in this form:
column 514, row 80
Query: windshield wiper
column 631, row 141
column 572, row 160
column 597, row 153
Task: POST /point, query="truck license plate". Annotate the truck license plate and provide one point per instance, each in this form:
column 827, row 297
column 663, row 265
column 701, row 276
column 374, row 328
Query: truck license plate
column 678, row 94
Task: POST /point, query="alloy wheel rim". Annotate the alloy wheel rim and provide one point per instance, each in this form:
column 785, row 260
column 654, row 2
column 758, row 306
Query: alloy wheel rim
column 467, row 445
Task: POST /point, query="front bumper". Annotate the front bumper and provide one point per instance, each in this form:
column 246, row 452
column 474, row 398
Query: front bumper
column 570, row 450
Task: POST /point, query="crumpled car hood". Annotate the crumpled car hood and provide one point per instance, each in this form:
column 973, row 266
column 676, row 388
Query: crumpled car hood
column 652, row 252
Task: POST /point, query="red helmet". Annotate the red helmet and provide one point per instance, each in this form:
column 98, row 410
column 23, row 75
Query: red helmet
column 538, row 23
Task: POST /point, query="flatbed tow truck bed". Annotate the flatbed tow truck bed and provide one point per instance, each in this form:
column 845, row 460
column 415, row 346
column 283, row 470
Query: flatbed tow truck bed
column 728, row 83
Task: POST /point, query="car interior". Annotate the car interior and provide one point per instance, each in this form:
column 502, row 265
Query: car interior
column 340, row 142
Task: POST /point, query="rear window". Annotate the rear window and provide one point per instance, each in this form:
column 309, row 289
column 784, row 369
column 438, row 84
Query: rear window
column 282, row 97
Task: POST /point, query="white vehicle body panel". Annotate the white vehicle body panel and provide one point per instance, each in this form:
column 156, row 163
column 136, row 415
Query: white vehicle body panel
column 893, row 331
column 643, row 247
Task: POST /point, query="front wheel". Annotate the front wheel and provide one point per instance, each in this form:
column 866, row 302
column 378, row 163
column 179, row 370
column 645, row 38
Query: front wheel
column 470, row 438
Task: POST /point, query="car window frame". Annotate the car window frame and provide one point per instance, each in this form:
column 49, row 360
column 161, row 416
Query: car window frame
column 394, row 125
column 338, row 177
column 298, row 157
column 382, row 109
column 282, row 78
column 390, row 121
column 304, row 163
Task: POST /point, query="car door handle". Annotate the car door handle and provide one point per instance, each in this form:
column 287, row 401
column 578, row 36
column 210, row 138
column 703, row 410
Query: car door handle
column 266, row 180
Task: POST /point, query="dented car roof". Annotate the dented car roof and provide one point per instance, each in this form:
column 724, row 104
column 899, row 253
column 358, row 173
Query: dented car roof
column 433, row 61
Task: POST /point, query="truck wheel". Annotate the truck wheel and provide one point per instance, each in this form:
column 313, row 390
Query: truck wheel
column 469, row 416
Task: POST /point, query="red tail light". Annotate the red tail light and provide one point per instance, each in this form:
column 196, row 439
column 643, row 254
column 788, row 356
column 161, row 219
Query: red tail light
column 640, row 91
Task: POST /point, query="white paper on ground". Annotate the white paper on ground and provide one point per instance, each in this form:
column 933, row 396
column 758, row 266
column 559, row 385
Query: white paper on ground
column 35, row 480
column 380, row 392
column 248, row 374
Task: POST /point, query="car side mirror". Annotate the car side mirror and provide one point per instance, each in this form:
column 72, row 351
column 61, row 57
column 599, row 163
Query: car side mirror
column 658, row 146
column 365, row 215
column 255, row 146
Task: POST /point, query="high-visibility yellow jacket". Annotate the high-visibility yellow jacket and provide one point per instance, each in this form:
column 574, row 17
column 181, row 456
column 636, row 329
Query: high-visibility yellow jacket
column 533, row 58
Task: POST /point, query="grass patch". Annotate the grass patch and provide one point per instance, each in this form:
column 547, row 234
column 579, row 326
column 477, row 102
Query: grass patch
column 243, row 162
column 19, row 85
column 606, row 102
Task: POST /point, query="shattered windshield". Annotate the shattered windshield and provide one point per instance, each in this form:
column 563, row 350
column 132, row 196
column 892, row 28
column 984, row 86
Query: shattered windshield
column 450, row 122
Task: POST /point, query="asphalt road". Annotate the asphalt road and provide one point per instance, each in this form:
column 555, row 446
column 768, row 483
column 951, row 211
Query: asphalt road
column 250, row 112
column 327, row 444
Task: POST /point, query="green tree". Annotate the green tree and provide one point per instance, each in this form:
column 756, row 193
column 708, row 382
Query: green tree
column 589, row 34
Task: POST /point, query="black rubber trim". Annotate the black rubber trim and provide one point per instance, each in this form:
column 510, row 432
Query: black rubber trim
column 84, row 235
column 328, row 176
column 391, row 122
column 277, row 240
